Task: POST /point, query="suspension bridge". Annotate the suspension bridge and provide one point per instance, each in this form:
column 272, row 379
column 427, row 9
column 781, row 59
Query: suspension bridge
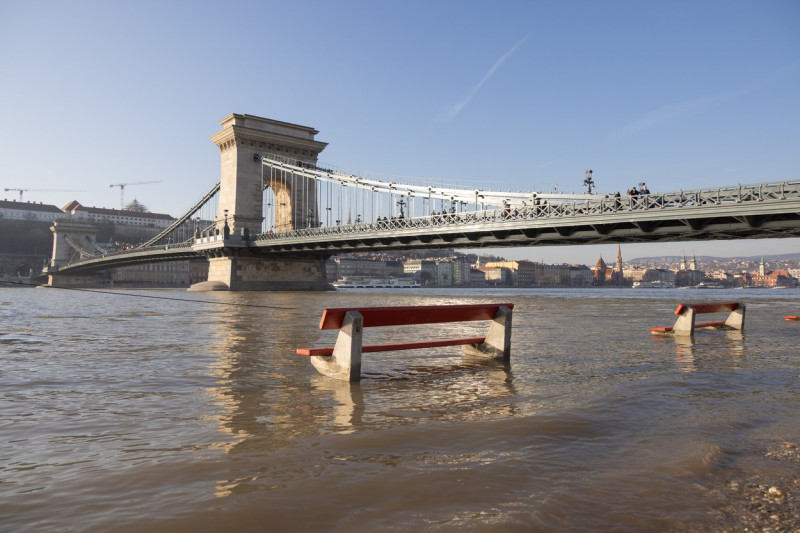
column 276, row 216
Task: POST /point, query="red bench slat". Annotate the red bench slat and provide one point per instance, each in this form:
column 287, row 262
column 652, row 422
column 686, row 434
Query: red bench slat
column 389, row 347
column 711, row 308
column 407, row 315
column 667, row 329
column 661, row 329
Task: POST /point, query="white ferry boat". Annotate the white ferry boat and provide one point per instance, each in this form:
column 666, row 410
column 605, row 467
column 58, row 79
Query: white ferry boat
column 356, row 282
column 658, row 284
column 709, row 285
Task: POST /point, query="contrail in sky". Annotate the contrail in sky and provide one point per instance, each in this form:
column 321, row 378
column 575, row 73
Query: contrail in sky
column 456, row 109
column 697, row 106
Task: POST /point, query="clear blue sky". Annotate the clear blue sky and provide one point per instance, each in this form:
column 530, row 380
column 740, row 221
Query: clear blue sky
column 680, row 94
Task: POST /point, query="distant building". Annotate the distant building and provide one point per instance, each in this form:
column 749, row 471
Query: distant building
column 772, row 278
column 444, row 273
column 164, row 274
column 691, row 276
column 348, row 267
column 461, row 270
column 636, row 274
column 722, row 277
column 580, row 276
column 423, row 270
column 30, row 212
column 546, row 275
column 476, row 278
column 124, row 217
column 497, row 276
column 523, row 272
column 661, row 275
column 608, row 277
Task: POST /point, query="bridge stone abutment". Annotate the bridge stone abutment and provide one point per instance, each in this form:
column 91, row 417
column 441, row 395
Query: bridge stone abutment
column 249, row 273
column 243, row 141
column 69, row 237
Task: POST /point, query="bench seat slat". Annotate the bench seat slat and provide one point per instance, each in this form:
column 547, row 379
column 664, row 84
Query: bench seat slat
column 711, row 324
column 667, row 329
column 408, row 315
column 389, row 347
column 701, row 309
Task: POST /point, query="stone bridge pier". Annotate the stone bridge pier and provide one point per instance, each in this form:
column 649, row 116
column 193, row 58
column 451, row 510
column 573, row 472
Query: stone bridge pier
column 243, row 141
column 67, row 236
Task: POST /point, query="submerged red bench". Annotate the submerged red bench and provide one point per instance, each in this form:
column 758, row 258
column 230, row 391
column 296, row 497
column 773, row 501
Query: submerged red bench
column 686, row 324
column 343, row 361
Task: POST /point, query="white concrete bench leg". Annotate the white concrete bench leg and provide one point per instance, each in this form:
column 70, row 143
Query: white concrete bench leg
column 498, row 341
column 345, row 363
column 736, row 319
column 685, row 323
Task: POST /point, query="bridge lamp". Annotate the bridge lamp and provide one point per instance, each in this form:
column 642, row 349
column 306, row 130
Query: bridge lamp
column 401, row 203
column 588, row 184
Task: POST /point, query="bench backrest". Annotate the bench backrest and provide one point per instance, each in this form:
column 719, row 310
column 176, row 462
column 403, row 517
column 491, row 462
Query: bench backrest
column 708, row 308
column 413, row 314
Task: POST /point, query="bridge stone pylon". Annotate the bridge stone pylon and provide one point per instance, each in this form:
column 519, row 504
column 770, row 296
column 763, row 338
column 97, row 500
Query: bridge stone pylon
column 237, row 266
column 244, row 139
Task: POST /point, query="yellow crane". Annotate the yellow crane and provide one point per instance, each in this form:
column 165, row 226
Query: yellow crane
column 41, row 190
column 122, row 190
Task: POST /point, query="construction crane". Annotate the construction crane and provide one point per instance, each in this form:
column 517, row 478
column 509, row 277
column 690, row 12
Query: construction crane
column 42, row 190
column 122, row 190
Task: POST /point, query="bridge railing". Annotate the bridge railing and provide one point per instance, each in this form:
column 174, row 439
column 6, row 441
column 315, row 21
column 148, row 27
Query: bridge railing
column 602, row 205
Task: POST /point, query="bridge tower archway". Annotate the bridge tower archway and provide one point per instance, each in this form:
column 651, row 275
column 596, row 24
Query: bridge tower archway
column 243, row 141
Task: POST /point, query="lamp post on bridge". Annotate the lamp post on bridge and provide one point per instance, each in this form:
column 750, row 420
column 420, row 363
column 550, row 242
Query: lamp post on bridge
column 588, row 184
column 402, row 203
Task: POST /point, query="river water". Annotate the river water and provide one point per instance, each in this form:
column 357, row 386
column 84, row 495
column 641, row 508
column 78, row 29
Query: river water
column 174, row 411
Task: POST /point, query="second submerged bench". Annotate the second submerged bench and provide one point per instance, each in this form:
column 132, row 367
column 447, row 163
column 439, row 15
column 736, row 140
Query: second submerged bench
column 343, row 361
column 686, row 324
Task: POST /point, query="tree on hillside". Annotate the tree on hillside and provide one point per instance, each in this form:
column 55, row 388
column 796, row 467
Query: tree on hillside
column 136, row 206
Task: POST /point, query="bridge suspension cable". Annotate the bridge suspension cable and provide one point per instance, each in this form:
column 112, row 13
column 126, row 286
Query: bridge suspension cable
column 333, row 198
column 181, row 230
